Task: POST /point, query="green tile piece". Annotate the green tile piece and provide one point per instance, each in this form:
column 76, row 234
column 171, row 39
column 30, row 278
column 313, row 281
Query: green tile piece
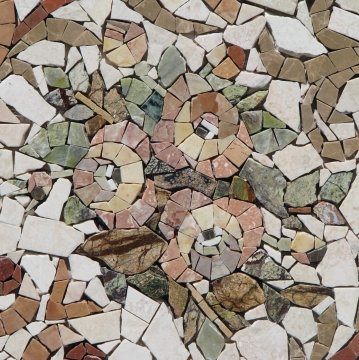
column 57, row 133
column 153, row 106
column 56, row 78
column 66, row 155
column 252, row 101
column 270, row 121
column 40, row 143
column 234, row 93
column 265, row 142
column 138, row 92
column 284, row 137
column 77, row 135
column 210, row 340
column 171, row 66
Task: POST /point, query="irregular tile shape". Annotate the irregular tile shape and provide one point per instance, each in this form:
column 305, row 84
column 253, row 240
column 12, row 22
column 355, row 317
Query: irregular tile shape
column 344, row 22
column 41, row 270
column 348, row 101
column 268, row 185
column 49, row 236
column 52, row 207
column 238, row 292
column 283, row 102
column 193, row 10
column 44, row 52
column 293, row 38
column 121, row 11
column 245, row 35
column 23, row 8
column 285, row 6
column 295, row 161
column 210, row 340
column 127, row 350
column 262, row 340
column 161, row 337
column 338, row 267
column 98, row 11
column 98, row 328
column 18, row 93
column 349, row 208
column 126, row 251
column 171, row 66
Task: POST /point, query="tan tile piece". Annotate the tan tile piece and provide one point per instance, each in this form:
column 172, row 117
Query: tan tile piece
column 94, row 107
column 207, row 310
column 339, row 79
column 228, row 10
column 55, row 28
column 50, row 337
column 58, row 291
column 27, row 308
column 320, row 20
column 333, row 150
column 121, row 57
column 78, row 309
column 5, row 68
column 87, row 38
column 272, row 61
column 328, row 93
column 324, row 110
column 334, row 41
column 6, row 33
column 72, row 31
column 36, row 34
column 293, row 70
column 320, row 5
column 227, row 332
column 7, row 12
column 20, row 46
column 319, row 67
column 3, row 53
column 226, row 69
column 35, row 351
column 200, row 28
column 266, row 42
column 55, row 311
column 184, row 26
column 317, row 139
column 12, row 321
column 351, row 146
column 166, row 20
column 149, row 9
column 237, row 152
column 337, row 118
column 344, row 58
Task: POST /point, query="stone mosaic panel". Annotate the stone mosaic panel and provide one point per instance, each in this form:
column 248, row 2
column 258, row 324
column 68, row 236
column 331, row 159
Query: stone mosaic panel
column 178, row 179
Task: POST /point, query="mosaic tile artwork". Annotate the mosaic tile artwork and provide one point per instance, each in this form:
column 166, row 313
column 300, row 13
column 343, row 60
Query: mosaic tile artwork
column 178, row 179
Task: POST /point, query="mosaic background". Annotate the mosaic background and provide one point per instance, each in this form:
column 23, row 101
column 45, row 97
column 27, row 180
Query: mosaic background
column 178, row 179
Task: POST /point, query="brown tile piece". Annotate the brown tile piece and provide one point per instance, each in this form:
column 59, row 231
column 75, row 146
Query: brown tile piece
column 340, row 78
column 87, row 38
column 351, row 146
column 184, row 26
column 91, row 350
column 319, row 351
column 344, row 58
column 62, row 272
column 19, row 67
column 320, row 20
column 20, row 31
column 6, row 34
column 12, row 321
column 337, row 118
column 26, row 307
column 320, row 5
column 293, row 70
column 50, row 337
column 212, row 3
column 7, row 12
column 36, row 34
column 20, row 46
column 344, row 354
column 308, row 122
column 333, row 150
column 10, row 286
column 200, row 28
column 77, row 309
column 2, row 330
column 228, row 10
column 266, row 42
column 238, row 56
column 58, row 291
column 35, row 17
column 226, row 69
column 328, row 93
column 77, row 352
column 5, row 67
column 166, row 20
column 35, row 351
column 319, row 67
column 317, row 139
column 272, row 61
column 72, row 32
column 55, row 28
column 3, row 53
column 55, row 311
column 324, row 110
column 149, row 9
column 52, row 5
column 334, row 41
